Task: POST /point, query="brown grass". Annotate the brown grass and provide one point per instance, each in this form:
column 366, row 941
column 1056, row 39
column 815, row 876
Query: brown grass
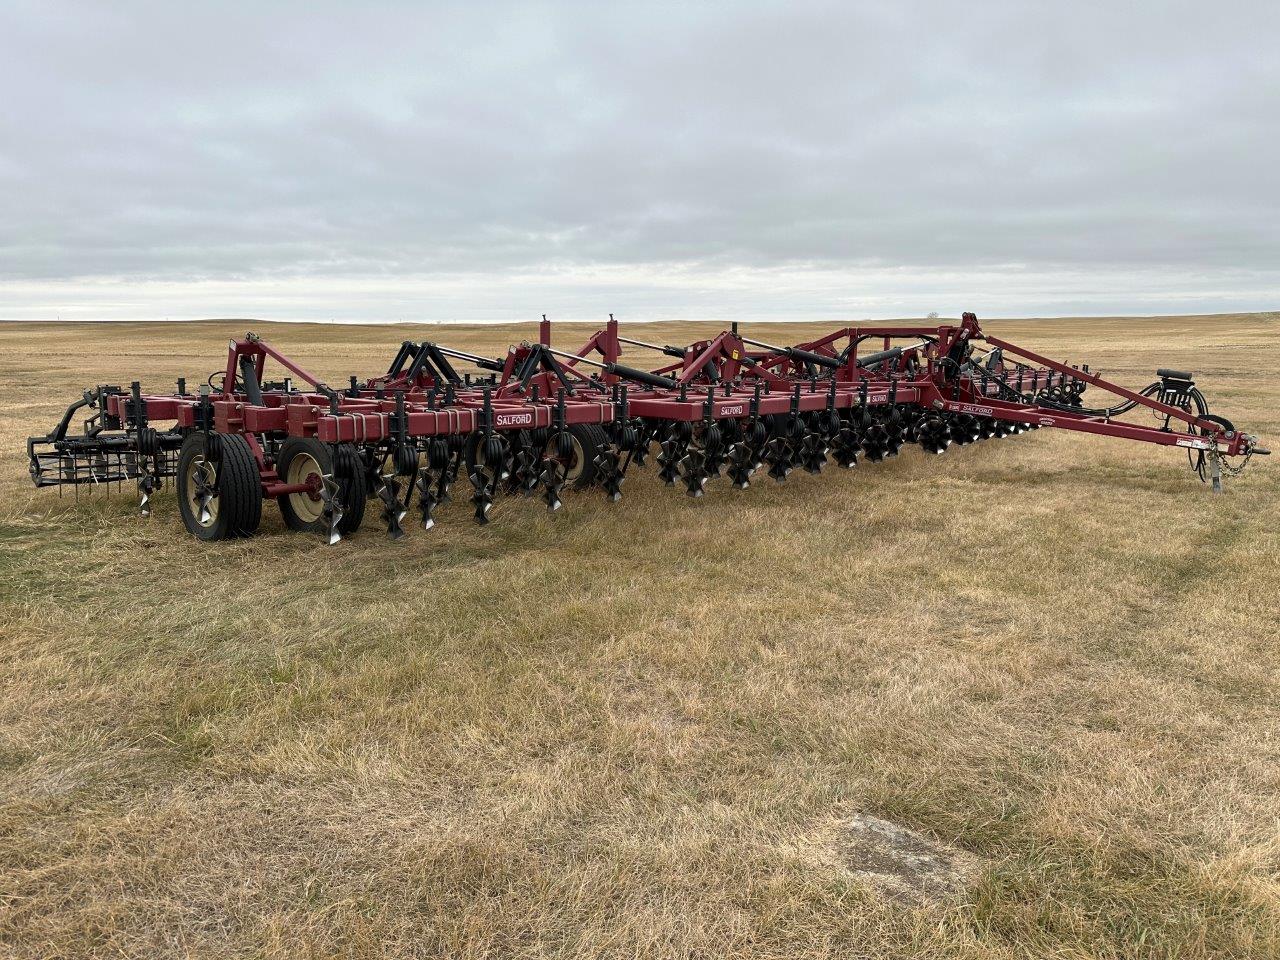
column 635, row 729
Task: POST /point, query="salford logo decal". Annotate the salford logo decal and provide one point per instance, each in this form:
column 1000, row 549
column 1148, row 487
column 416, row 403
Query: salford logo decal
column 514, row 419
column 980, row 411
column 1193, row 444
column 731, row 411
column 1047, row 421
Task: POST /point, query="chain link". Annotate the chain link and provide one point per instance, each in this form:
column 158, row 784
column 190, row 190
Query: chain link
column 1228, row 469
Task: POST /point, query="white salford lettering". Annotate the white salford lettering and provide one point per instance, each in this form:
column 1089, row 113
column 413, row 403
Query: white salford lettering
column 513, row 419
column 731, row 411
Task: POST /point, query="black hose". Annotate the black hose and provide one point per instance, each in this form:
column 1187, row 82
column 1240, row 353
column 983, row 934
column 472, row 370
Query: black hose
column 640, row 376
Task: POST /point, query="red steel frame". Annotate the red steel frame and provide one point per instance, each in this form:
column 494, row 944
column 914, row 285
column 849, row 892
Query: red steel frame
column 779, row 371
column 366, row 418
column 725, row 377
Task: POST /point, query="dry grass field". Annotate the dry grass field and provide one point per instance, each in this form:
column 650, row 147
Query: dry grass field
column 652, row 728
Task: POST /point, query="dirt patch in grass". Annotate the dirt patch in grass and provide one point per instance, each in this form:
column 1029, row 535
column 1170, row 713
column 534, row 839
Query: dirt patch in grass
column 904, row 864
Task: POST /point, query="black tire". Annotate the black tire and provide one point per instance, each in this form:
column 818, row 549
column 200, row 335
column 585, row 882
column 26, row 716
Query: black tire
column 236, row 511
column 473, row 450
column 302, row 456
column 352, row 487
column 589, row 441
column 251, row 499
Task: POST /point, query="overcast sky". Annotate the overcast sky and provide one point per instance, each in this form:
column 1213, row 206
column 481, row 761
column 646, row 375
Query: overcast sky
column 718, row 160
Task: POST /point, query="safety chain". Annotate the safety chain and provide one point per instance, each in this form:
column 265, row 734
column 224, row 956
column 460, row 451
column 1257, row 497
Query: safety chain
column 1228, row 469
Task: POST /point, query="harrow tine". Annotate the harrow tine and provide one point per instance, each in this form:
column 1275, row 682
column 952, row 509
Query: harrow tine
column 146, row 486
column 393, row 511
column 426, row 499
column 449, row 475
column 692, row 470
column 933, row 434
column 524, row 471
column 716, row 461
column 965, row 429
column 742, row 464
column 758, row 436
column 332, row 507
column 894, row 438
column 875, row 442
column 845, row 444
column 892, row 421
column 607, row 465
column 445, row 481
column 813, row 452
column 552, row 479
column 777, row 454
column 640, row 452
column 669, row 457
column 482, row 498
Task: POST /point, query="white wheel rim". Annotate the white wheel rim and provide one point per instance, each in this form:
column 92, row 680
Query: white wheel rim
column 574, row 463
column 307, row 506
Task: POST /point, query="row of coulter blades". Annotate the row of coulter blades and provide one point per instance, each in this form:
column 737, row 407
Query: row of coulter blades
column 541, row 420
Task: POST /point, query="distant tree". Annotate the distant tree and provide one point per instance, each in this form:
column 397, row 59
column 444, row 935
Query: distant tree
column 932, row 315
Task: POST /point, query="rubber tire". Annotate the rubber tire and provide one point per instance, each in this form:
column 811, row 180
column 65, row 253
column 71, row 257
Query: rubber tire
column 251, row 502
column 352, row 491
column 471, row 449
column 239, row 489
column 590, row 437
column 352, row 487
column 594, row 441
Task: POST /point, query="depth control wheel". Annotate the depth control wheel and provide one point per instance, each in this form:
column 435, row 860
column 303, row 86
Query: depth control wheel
column 588, row 442
column 220, row 495
column 307, row 460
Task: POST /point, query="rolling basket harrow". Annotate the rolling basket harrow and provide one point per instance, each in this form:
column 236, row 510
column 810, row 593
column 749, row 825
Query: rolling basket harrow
column 541, row 419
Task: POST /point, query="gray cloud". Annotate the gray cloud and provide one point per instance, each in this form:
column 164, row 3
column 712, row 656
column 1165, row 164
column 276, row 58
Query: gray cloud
column 656, row 154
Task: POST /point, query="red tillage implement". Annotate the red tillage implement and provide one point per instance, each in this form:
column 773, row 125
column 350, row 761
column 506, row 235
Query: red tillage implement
column 540, row 419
